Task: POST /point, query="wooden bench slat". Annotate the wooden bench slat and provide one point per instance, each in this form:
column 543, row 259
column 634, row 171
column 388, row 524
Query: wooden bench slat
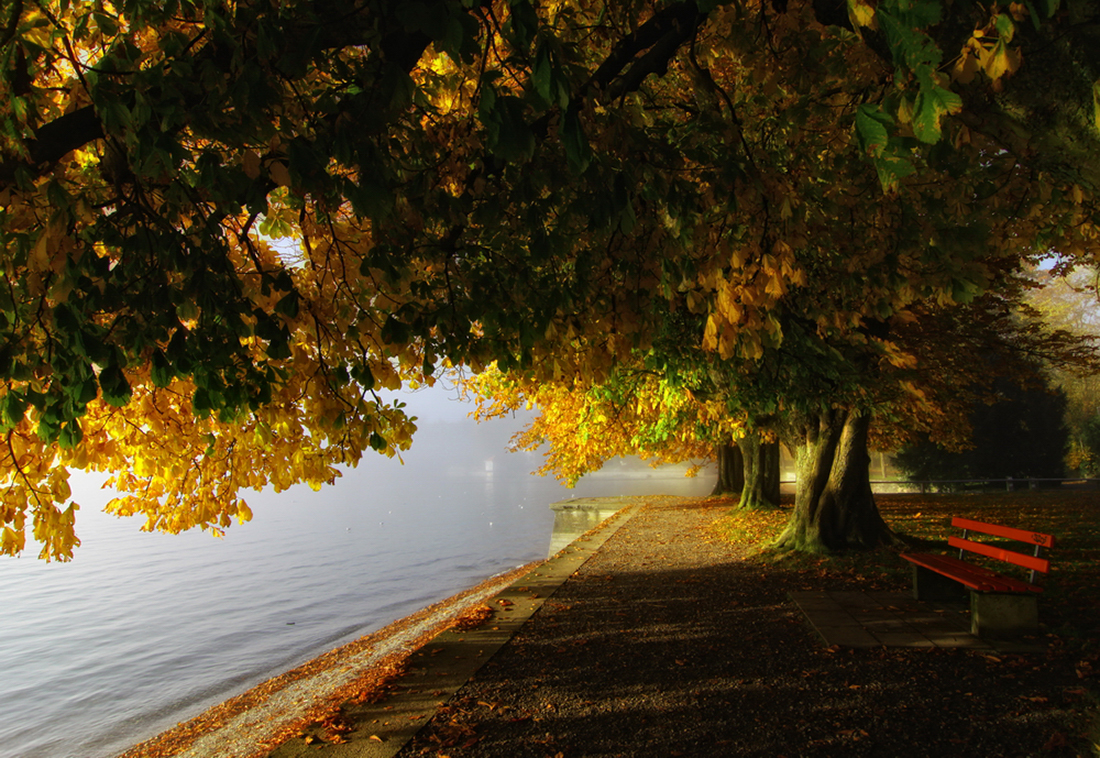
column 1001, row 554
column 1008, row 532
column 971, row 576
column 947, row 563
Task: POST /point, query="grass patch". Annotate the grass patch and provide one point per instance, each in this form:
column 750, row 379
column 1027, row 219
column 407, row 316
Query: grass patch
column 755, row 528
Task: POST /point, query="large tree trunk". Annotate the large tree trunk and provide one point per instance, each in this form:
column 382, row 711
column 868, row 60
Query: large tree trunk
column 731, row 470
column 761, row 488
column 834, row 508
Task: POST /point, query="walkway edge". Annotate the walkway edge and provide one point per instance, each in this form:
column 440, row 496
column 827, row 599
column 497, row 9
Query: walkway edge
column 440, row 668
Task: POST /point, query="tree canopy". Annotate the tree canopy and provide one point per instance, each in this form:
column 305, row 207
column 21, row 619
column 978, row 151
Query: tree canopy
column 536, row 184
column 1070, row 302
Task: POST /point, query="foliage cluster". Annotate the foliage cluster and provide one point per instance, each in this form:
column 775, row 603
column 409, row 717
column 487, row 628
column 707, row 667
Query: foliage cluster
column 1070, row 302
column 1019, row 434
column 565, row 188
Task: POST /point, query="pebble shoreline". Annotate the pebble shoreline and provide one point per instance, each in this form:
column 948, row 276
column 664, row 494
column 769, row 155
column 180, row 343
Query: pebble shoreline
column 251, row 724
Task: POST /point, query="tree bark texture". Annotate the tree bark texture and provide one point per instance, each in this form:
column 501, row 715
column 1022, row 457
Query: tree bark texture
column 731, row 470
column 834, row 507
column 761, row 488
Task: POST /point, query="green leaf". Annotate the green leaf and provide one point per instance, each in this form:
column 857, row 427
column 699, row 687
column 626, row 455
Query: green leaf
column 278, row 347
column 65, row 320
column 1005, row 26
column 200, row 402
column 400, row 87
column 106, row 24
column 162, row 372
column 418, row 17
column 86, row 391
column 515, row 141
column 488, row 100
column 91, row 347
column 363, row 375
column 920, row 13
column 116, row 390
column 275, row 228
column 1035, row 20
column 523, row 24
column 395, row 332
column 116, row 116
column 12, row 409
column 177, row 352
column 70, row 436
column 459, row 37
column 873, row 129
column 577, row 150
column 542, row 74
column 288, row 305
column 933, row 103
column 371, row 198
column 910, row 47
column 892, row 169
column 964, row 291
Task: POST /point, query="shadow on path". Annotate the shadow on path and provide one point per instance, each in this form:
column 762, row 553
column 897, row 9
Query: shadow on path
column 665, row 642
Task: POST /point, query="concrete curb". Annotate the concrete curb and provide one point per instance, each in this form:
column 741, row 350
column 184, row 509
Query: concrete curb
column 440, row 668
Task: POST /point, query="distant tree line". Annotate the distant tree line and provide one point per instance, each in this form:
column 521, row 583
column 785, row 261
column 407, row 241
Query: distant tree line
column 1021, row 434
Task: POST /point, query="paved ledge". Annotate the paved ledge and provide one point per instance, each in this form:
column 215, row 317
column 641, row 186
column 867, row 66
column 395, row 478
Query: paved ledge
column 445, row 664
column 605, row 504
column 893, row 619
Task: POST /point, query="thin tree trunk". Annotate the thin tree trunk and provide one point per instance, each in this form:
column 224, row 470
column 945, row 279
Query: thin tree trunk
column 834, row 507
column 770, row 462
column 761, row 488
column 730, row 470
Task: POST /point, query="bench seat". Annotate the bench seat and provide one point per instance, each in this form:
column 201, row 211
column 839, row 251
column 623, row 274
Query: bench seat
column 971, row 576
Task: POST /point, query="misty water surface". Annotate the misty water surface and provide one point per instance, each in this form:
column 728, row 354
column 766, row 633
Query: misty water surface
column 141, row 630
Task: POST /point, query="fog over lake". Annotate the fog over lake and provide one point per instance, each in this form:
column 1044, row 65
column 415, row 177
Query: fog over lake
column 142, row 630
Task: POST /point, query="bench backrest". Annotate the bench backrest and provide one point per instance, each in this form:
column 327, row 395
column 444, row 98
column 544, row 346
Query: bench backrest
column 1033, row 562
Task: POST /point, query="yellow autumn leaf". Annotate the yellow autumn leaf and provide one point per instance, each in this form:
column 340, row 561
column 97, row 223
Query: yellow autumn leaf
column 862, row 13
column 40, row 255
column 1096, row 103
column 250, row 161
column 905, row 111
column 738, row 256
column 710, row 335
column 279, row 173
column 727, row 301
column 775, row 287
column 999, row 60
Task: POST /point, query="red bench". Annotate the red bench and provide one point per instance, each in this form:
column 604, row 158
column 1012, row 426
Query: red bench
column 1000, row 606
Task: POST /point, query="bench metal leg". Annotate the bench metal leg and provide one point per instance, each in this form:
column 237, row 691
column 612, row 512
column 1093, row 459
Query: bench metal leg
column 1003, row 615
column 931, row 585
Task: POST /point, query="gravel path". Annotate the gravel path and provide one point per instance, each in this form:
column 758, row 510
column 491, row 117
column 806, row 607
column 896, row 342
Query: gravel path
column 667, row 643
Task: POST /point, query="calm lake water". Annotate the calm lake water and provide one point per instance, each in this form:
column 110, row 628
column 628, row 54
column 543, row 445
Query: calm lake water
column 141, row 631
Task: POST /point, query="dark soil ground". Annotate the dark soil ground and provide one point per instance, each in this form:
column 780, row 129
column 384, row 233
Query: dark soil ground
column 671, row 641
